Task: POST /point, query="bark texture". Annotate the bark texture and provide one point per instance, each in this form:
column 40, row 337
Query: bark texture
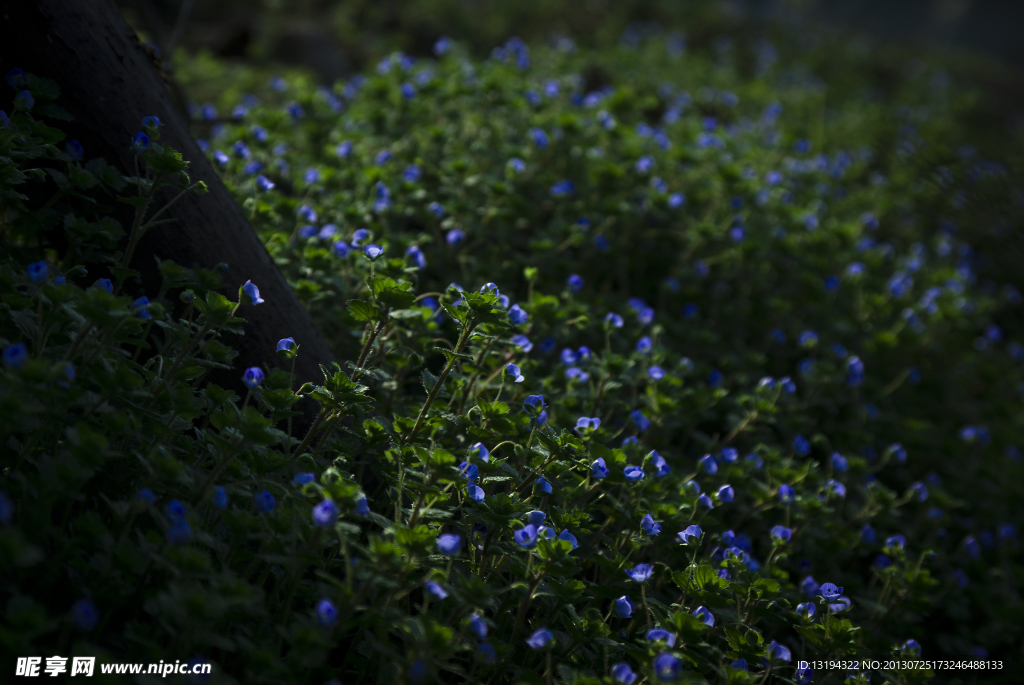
column 109, row 82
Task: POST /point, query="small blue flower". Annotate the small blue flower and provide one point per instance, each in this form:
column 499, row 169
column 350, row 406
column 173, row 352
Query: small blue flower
column 624, row 607
column 804, row 674
column 633, row 473
column 517, row 316
column 533, row 404
column 326, row 612
column 562, row 188
column 477, row 625
column 642, row 422
column 362, row 506
column 265, row 501
column 715, row 378
column 569, row 537
column 253, row 377
column 541, row 482
column 831, row 591
column 523, row 343
column 16, row 78
column 623, row 673
column 729, row 455
column 220, row 498
column 661, row 635
column 661, row 467
column 667, row 667
column 85, row 614
column 644, row 164
column 786, row 494
column 140, row 143
column 140, row 306
column 37, row 272
column 708, row 463
column 449, row 544
column 692, row 533
column 587, row 425
column 726, row 494
column 325, row 513
column 373, row 251
column 613, row 320
column 640, row 573
column 599, row 469
column 264, row 183
column 911, row 647
column 539, row 137
column 540, row 639
column 252, row 292
column 705, row 502
column 575, row 283
column 469, row 471
column 801, row 446
column 705, row 616
column 649, row 525
column 435, row 589
column 778, row 651
column 517, row 165
column 781, row 533
column 526, row 537
column 15, row 355
column 898, row 453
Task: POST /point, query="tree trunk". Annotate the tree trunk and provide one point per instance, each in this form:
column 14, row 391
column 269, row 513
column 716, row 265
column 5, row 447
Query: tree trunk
column 109, row 82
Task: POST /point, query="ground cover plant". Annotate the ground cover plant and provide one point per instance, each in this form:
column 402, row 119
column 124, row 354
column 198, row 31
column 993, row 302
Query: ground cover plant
column 655, row 367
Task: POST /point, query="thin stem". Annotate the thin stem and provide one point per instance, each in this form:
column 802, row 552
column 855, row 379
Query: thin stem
column 463, row 339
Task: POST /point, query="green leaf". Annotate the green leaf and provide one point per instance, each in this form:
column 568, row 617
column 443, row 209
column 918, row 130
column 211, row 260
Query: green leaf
column 363, row 311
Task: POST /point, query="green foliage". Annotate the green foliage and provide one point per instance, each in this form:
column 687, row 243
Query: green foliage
column 828, row 331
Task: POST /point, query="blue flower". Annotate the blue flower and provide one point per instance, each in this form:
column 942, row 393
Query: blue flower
column 898, row 452
column 540, row 639
column 575, row 283
column 729, row 455
column 661, row 467
column 373, row 251
column 517, row 316
column 649, row 525
column 691, row 488
column 252, row 292
column 562, row 188
column 539, row 137
column 806, row 610
column 37, row 272
column 778, row 651
column 585, row 424
column 786, row 494
column 469, row 471
column 5, row 120
column 839, row 462
column 644, row 164
column 362, row 507
column 220, row 498
column 642, row 422
column 705, row 501
column 801, row 446
column 325, row 513
column 569, row 537
column 623, row 673
column 692, row 533
column 533, row 404
column 253, row 377
column 599, row 470
column 264, row 183
column 326, row 612
column 449, row 544
column 613, row 320
column 477, row 625
column 835, row 487
column 74, row 149
column 830, row 591
column 705, row 616
column 15, row 355
column 708, row 463
column 536, row 517
column 971, row 547
column 640, row 573
column 624, row 607
column 644, row 345
column 416, row 254
column 541, row 482
column 146, row 496
column 517, row 165
column 911, row 647
column 633, row 473
column 809, row 586
column 756, row 461
column 661, row 635
column 408, row 91
column 726, row 494
column 435, row 589
column 523, row 343
column 804, row 674
column 526, row 537
column 265, row 501
column 442, row 46
column 140, row 143
column 781, row 533
column 175, row 511
column 667, row 667
column 85, row 614
column 140, row 306
column 16, row 78
column 715, row 378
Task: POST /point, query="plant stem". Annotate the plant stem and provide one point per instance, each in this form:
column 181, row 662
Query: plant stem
column 463, row 339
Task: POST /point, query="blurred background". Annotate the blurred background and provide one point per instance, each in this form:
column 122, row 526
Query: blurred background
column 335, row 38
